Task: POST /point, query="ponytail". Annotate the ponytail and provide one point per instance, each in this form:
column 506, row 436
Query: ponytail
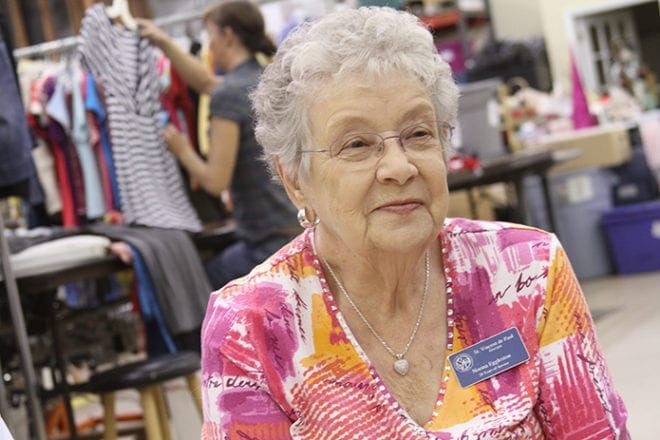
column 266, row 46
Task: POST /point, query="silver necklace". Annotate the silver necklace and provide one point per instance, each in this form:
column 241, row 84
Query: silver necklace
column 401, row 364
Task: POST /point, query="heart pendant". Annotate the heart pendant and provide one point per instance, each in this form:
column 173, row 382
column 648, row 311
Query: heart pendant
column 401, row 366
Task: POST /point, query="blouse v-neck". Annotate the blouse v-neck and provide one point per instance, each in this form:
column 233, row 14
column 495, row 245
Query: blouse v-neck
column 337, row 315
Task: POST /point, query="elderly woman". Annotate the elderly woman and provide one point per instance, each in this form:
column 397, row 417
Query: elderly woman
column 385, row 319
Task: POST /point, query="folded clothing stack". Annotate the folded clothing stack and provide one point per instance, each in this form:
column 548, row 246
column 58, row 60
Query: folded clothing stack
column 58, row 254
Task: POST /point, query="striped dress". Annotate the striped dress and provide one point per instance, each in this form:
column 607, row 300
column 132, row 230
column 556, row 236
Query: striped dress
column 278, row 360
column 151, row 190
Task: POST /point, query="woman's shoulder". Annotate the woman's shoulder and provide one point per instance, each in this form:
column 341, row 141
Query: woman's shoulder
column 263, row 301
column 457, row 227
column 496, row 235
column 238, row 82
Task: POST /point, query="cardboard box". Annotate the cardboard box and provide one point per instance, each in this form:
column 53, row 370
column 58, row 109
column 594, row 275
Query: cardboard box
column 486, row 199
column 602, row 146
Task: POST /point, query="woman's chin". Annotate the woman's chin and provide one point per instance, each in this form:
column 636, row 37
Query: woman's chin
column 403, row 239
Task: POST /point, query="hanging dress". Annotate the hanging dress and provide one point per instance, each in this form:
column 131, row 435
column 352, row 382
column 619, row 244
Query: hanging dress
column 150, row 185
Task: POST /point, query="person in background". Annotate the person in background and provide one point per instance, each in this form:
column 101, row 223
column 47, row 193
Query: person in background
column 264, row 216
column 384, row 319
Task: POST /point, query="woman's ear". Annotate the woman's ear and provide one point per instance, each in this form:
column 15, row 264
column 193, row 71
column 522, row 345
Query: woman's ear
column 228, row 34
column 291, row 185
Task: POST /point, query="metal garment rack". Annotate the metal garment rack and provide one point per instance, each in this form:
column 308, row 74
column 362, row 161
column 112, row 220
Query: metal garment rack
column 18, row 320
column 35, row 413
column 69, row 43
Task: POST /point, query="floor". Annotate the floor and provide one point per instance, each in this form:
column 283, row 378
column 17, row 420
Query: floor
column 626, row 310
column 627, row 314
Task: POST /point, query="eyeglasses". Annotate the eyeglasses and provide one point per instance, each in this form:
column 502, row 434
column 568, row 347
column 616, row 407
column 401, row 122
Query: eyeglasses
column 417, row 138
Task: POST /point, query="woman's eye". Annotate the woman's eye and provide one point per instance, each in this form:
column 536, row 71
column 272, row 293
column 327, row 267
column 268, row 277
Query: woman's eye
column 355, row 143
column 420, row 133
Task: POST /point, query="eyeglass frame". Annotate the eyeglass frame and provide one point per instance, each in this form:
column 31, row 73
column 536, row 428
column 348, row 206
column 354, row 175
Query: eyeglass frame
column 381, row 150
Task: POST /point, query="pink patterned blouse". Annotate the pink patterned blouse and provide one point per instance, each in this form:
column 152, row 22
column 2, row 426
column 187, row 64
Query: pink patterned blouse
column 279, row 362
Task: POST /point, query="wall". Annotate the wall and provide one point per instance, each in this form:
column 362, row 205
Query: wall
column 163, row 8
column 554, row 24
column 516, row 19
column 539, row 18
column 556, row 37
column 275, row 11
column 531, row 18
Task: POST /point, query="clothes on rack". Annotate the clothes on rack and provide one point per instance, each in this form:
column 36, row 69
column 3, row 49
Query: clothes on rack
column 181, row 286
column 48, row 117
column 59, row 129
column 170, row 283
column 178, row 106
column 66, row 109
column 43, row 160
column 159, row 338
column 94, row 203
column 149, row 180
column 16, row 166
column 97, row 122
column 21, row 239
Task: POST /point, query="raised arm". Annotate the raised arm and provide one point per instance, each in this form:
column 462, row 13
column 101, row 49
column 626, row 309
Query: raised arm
column 216, row 172
column 191, row 70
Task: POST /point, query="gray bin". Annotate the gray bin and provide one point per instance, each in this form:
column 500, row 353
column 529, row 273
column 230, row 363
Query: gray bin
column 578, row 201
column 477, row 133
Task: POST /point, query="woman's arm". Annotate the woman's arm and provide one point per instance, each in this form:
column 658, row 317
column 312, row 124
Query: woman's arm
column 242, row 391
column 237, row 405
column 577, row 398
column 216, row 172
column 192, row 71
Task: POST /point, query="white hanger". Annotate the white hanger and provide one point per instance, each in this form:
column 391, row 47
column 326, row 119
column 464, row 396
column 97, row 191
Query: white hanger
column 120, row 10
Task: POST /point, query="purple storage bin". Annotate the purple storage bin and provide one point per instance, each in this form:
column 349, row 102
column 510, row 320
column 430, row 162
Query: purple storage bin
column 633, row 232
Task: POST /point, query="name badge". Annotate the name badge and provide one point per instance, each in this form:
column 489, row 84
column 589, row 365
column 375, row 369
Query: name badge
column 489, row 357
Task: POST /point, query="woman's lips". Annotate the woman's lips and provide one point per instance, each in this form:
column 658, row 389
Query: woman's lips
column 403, row 207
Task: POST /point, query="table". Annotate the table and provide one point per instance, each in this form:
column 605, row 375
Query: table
column 513, row 168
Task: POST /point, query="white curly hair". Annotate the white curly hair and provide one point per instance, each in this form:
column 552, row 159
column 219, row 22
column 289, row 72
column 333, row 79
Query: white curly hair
column 363, row 41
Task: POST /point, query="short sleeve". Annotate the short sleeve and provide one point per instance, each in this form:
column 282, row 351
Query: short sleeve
column 230, row 102
column 577, row 398
column 237, row 379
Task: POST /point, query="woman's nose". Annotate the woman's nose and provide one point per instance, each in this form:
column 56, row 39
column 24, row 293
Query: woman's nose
column 394, row 164
column 383, row 143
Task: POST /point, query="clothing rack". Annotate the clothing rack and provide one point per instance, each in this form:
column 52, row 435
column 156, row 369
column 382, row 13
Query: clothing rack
column 18, row 320
column 69, row 43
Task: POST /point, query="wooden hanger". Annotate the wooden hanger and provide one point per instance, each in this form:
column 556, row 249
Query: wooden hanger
column 119, row 10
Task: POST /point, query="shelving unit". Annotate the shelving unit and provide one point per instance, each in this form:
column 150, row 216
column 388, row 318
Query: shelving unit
column 462, row 18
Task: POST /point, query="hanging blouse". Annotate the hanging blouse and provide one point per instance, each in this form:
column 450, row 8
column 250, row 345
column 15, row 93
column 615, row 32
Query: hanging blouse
column 150, row 185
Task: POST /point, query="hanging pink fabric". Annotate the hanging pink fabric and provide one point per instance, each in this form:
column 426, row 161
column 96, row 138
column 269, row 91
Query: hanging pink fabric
column 582, row 118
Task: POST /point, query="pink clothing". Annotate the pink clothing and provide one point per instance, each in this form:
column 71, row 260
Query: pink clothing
column 279, row 362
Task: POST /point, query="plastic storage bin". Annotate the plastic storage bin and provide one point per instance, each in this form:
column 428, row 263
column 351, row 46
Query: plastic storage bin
column 477, row 133
column 633, row 232
column 636, row 183
column 579, row 199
